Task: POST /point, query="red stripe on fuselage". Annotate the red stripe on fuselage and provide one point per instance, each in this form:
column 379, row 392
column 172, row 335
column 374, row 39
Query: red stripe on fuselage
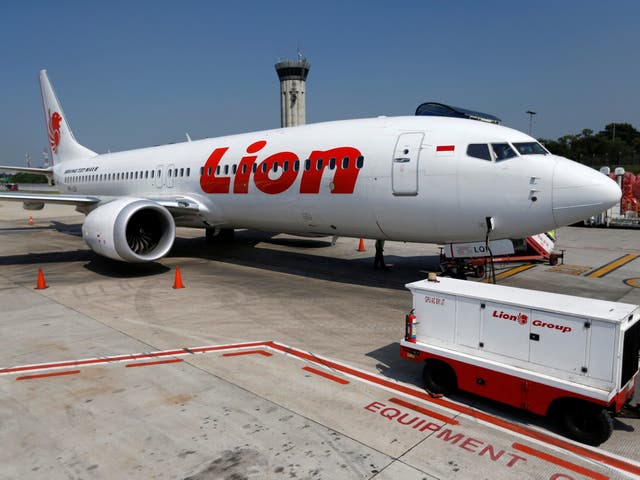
column 445, row 148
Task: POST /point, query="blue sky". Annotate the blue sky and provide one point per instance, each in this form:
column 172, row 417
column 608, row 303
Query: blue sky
column 133, row 74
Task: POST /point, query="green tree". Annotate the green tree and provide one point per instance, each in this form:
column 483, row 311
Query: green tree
column 23, row 177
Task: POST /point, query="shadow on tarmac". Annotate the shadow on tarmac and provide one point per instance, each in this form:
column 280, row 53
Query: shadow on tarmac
column 115, row 269
column 244, row 250
column 304, row 257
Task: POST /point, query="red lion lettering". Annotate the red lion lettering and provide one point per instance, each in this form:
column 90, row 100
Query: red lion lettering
column 54, row 130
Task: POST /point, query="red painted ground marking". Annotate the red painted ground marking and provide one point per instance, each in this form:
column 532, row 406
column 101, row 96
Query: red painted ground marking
column 580, row 451
column 124, row 358
column 326, row 375
column 159, row 362
column 249, row 352
column 43, row 375
column 490, row 419
column 560, row 462
column 425, row 411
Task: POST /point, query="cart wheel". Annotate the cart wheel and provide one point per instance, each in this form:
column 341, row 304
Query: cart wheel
column 439, row 377
column 553, row 259
column 586, row 422
column 479, row 271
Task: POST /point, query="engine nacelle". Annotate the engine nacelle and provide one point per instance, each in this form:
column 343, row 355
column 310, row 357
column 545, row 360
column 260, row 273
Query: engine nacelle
column 130, row 229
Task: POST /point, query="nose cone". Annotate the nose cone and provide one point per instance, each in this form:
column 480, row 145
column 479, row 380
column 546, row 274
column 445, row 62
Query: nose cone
column 580, row 192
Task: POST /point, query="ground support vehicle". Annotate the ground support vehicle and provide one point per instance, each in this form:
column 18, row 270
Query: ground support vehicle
column 573, row 358
column 459, row 259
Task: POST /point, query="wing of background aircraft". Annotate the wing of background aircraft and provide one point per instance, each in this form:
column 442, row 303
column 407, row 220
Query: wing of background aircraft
column 48, row 172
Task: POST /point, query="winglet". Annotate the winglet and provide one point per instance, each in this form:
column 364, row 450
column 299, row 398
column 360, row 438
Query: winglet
column 62, row 143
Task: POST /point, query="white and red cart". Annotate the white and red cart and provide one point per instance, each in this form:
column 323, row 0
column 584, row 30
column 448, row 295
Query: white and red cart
column 473, row 257
column 571, row 357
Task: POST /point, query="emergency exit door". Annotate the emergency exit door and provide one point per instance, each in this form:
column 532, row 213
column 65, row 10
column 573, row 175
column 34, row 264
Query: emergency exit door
column 404, row 172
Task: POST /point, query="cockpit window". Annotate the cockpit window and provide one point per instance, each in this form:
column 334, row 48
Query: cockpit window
column 503, row 151
column 479, row 150
column 530, row 148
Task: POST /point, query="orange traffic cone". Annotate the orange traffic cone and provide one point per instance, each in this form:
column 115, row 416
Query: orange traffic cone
column 30, row 220
column 177, row 283
column 41, row 284
column 361, row 246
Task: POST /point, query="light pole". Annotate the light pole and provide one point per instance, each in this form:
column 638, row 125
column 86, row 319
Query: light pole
column 531, row 114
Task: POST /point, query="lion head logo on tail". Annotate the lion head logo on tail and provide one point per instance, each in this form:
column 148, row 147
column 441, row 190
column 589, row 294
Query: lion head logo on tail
column 55, row 120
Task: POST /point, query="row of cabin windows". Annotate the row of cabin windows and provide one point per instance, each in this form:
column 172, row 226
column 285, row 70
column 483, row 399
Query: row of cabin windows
column 116, row 176
column 295, row 166
column 186, row 172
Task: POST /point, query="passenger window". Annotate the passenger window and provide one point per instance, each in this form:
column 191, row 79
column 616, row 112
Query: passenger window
column 319, row 164
column 503, row 151
column 244, row 168
column 169, row 172
column 307, row 165
column 175, row 172
column 296, row 165
column 182, row 172
column 233, row 169
column 217, row 170
column 345, row 162
column 188, row 172
column 146, row 174
column 152, row 172
column 226, row 169
column 159, row 173
column 332, row 164
column 360, row 162
column 275, row 166
column 202, row 171
column 254, row 168
column 479, row 150
column 264, row 168
column 285, row 165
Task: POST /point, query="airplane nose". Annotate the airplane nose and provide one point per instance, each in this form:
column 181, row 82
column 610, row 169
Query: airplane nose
column 580, row 192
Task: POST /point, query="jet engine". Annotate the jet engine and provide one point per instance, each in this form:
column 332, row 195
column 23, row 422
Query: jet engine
column 130, row 230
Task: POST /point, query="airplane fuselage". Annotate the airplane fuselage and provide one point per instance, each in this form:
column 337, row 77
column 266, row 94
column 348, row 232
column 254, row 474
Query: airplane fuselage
column 401, row 178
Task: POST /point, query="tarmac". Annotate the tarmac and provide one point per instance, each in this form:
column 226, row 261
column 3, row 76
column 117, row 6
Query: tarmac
column 280, row 359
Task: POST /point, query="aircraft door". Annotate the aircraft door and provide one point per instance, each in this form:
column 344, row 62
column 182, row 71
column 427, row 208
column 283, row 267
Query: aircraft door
column 169, row 176
column 404, row 172
column 157, row 176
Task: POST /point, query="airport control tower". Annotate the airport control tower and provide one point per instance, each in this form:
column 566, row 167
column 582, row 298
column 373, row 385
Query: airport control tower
column 293, row 78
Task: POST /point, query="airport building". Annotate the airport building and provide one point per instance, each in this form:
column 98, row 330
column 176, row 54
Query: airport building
column 293, row 78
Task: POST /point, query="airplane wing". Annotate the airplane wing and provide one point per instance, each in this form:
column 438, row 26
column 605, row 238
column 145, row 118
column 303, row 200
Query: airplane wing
column 177, row 205
column 40, row 171
column 60, row 199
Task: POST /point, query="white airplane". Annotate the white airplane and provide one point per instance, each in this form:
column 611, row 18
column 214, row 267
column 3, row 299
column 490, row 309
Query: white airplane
column 414, row 179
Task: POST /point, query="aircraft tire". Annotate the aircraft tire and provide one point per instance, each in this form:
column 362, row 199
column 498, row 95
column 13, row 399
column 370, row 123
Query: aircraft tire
column 217, row 235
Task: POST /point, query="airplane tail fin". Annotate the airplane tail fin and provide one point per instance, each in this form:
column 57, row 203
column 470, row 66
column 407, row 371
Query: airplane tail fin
column 62, row 143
